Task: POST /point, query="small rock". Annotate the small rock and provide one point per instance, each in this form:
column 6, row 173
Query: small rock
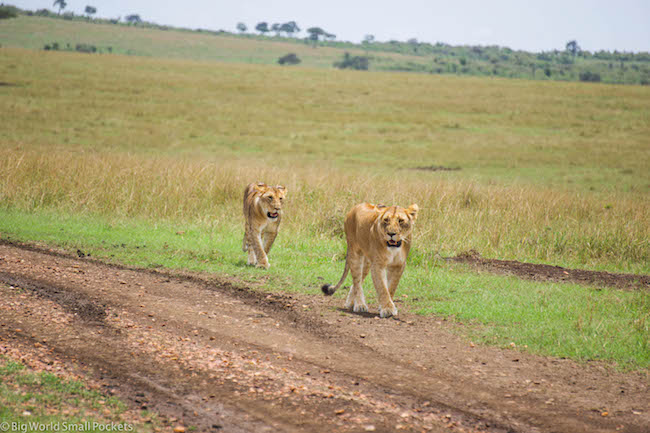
column 179, row 429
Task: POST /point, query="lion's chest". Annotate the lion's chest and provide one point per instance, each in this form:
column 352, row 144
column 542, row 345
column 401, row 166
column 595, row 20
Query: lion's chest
column 394, row 256
column 269, row 225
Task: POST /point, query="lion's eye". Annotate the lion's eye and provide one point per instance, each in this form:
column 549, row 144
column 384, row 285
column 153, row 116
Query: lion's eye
column 269, row 198
column 386, row 221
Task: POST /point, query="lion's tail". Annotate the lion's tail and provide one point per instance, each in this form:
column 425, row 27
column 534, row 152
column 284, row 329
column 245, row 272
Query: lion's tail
column 328, row 289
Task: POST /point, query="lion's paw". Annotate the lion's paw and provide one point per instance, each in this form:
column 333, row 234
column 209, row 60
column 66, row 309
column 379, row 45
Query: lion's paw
column 387, row 312
column 360, row 307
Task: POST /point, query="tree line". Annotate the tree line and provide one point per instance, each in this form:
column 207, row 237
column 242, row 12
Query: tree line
column 288, row 29
column 569, row 63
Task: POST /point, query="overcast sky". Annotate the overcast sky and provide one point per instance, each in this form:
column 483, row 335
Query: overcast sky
column 539, row 25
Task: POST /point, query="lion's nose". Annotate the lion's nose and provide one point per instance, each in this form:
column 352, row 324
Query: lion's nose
column 391, row 234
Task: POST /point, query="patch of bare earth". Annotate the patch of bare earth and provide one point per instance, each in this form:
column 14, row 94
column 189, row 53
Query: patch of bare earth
column 540, row 272
column 204, row 353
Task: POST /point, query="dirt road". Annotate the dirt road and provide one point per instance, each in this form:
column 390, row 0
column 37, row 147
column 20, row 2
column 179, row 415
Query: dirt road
column 226, row 358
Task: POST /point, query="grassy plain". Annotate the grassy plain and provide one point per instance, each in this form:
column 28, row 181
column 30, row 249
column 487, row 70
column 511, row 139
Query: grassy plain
column 145, row 160
column 36, row 32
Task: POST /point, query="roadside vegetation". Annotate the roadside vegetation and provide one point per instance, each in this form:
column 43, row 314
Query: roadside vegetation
column 34, row 400
column 144, row 161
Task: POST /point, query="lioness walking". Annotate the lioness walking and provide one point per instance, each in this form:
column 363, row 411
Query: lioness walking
column 379, row 240
column 263, row 213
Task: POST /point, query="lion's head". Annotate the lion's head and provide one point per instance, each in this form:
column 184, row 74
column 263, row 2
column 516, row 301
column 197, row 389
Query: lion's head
column 271, row 199
column 395, row 224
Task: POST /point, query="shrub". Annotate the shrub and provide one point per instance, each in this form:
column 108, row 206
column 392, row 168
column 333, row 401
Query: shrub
column 589, row 76
column 86, row 48
column 53, row 46
column 359, row 63
column 289, row 59
column 8, row 12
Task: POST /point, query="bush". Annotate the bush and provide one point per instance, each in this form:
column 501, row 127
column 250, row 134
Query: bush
column 86, row 48
column 8, row 12
column 289, row 59
column 53, row 46
column 359, row 63
column 589, row 76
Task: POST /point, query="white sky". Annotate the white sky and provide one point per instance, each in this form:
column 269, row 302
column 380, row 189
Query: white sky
column 539, row 25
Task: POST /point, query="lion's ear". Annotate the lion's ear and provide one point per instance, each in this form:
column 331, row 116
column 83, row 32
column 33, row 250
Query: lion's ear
column 413, row 211
column 281, row 188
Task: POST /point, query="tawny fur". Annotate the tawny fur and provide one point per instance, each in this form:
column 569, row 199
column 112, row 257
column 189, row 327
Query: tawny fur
column 262, row 214
column 378, row 240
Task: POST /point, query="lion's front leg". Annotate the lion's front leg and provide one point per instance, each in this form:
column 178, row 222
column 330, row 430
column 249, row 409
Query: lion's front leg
column 379, row 278
column 269, row 238
column 356, row 300
column 394, row 275
column 256, row 254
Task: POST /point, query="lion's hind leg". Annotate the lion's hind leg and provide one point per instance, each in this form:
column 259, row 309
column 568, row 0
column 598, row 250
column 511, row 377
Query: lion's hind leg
column 244, row 246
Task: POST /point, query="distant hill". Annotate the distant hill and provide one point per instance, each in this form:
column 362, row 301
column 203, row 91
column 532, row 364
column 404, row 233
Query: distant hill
column 46, row 30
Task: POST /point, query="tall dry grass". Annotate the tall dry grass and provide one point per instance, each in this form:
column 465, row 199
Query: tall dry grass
column 515, row 222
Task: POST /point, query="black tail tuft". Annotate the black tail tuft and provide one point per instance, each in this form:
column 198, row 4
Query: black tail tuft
column 328, row 289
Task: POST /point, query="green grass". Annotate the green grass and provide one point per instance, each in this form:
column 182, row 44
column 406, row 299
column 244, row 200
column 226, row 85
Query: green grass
column 31, row 401
column 563, row 320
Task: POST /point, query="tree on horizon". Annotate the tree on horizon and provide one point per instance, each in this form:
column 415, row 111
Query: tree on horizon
column 61, row 3
column 573, row 47
column 314, row 34
column 290, row 28
column 90, row 10
column 262, row 27
column 133, row 19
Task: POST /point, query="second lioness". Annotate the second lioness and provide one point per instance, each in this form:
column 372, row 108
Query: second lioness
column 379, row 240
column 263, row 214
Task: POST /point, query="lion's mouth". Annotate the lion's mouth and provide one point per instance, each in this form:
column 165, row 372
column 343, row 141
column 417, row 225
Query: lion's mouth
column 272, row 214
column 394, row 244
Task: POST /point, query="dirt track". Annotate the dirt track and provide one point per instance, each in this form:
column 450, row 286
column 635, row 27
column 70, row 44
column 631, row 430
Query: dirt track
column 225, row 358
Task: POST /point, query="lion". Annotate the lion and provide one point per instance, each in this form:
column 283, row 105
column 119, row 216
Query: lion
column 378, row 241
column 263, row 214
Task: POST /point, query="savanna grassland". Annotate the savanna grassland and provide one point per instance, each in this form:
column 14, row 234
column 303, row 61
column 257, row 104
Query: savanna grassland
column 144, row 161
column 35, row 32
